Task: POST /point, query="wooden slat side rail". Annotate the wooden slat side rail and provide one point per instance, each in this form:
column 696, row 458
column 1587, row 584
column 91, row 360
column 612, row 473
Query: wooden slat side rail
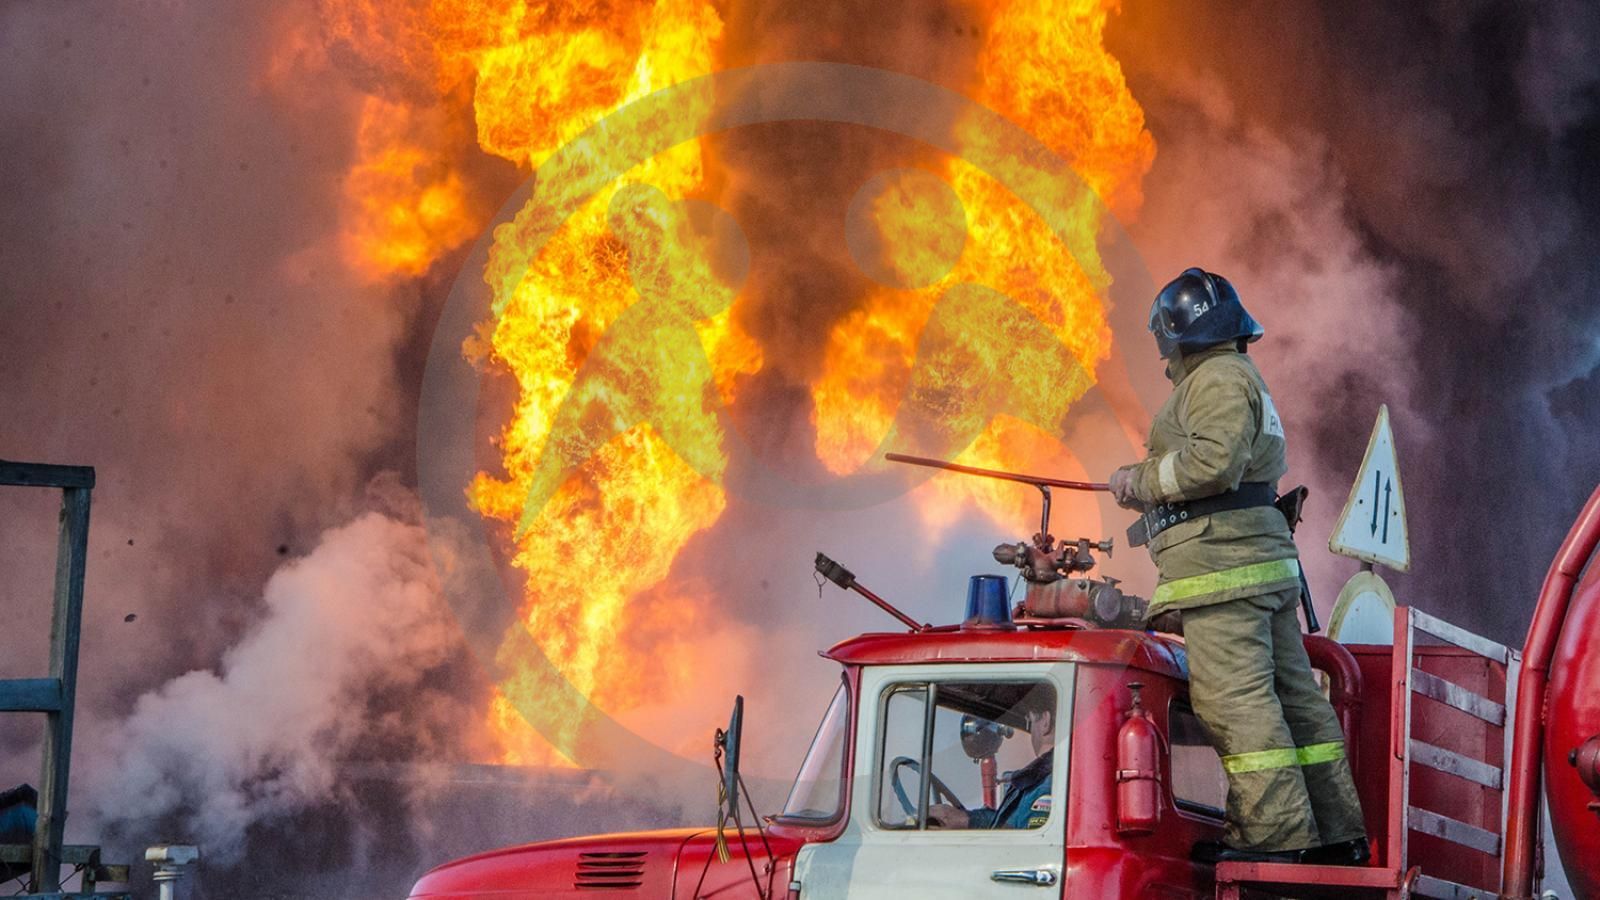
column 1408, row 682
column 42, row 475
column 1451, row 694
column 1453, row 830
column 40, row 695
column 1439, row 889
column 1452, row 763
column 1461, row 637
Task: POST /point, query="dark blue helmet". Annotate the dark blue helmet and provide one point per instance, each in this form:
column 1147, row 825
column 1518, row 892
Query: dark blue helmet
column 1197, row 310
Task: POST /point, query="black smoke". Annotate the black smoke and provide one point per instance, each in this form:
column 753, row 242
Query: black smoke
column 1420, row 183
column 1407, row 194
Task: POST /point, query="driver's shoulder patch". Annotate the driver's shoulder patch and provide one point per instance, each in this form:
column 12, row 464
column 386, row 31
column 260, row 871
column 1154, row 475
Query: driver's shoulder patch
column 1039, row 812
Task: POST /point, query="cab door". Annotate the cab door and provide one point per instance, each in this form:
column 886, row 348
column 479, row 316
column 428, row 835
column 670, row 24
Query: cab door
column 944, row 720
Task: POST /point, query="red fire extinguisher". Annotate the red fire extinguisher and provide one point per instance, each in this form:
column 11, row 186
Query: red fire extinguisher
column 1138, row 770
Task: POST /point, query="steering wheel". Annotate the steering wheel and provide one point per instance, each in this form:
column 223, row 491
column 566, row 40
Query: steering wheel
column 940, row 789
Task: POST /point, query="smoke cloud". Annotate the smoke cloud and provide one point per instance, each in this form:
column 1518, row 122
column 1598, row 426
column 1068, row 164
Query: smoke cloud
column 179, row 313
column 265, row 733
column 1273, row 216
column 1407, row 196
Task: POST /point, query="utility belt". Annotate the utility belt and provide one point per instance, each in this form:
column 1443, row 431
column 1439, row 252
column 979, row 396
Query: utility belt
column 1160, row 518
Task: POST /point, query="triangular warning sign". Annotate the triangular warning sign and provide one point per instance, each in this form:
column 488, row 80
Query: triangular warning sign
column 1373, row 525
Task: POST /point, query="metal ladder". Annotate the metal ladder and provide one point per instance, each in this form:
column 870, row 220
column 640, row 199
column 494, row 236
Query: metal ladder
column 55, row 695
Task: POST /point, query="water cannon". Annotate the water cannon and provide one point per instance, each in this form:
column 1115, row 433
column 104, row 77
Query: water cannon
column 1045, row 562
column 1058, row 586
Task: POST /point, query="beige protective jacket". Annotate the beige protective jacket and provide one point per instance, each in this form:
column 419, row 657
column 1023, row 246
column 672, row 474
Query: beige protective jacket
column 1219, row 428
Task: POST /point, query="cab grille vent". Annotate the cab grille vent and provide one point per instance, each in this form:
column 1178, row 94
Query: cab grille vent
column 620, row 871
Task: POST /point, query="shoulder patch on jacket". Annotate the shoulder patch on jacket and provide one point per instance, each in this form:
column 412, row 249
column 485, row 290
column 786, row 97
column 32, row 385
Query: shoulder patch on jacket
column 1271, row 425
column 1039, row 812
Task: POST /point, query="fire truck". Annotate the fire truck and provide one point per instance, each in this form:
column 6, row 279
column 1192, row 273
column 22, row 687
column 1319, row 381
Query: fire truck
column 1455, row 742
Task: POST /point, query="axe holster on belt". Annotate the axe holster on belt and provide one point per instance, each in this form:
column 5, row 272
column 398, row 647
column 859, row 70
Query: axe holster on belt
column 1292, row 505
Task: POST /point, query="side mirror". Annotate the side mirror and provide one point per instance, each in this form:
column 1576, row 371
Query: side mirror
column 728, row 741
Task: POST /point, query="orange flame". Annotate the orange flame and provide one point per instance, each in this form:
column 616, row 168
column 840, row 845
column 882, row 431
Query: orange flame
column 1044, row 66
column 598, row 548
column 612, row 529
column 404, row 206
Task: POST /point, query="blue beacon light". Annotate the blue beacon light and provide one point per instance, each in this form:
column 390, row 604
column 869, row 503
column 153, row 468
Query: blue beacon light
column 987, row 606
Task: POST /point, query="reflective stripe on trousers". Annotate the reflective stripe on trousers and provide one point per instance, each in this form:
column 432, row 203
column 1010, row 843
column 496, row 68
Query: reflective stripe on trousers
column 1250, row 682
column 1260, row 760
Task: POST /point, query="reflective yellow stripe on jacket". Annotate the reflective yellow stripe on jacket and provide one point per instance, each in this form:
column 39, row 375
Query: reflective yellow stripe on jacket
column 1261, row 760
column 1226, row 580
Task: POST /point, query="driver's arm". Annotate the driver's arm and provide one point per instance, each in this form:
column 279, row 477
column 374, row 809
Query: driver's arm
column 941, row 815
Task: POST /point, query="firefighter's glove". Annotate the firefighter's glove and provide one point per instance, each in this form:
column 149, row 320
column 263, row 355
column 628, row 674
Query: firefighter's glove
column 1121, row 482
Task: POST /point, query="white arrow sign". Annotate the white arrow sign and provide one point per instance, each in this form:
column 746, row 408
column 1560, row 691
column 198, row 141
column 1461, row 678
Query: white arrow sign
column 1373, row 525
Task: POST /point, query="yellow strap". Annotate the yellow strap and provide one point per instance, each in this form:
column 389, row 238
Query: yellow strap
column 1226, row 580
column 1321, row 753
column 1260, row 760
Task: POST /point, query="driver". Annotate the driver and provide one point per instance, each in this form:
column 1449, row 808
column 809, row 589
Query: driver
column 1026, row 803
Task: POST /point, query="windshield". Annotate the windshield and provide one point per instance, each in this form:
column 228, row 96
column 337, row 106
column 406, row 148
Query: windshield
column 819, row 789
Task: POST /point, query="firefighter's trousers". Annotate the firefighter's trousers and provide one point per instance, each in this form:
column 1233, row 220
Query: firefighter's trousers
column 1250, row 681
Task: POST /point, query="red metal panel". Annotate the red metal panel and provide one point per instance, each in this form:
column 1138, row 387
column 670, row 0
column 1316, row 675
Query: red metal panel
column 1100, row 862
column 731, row 880
column 1451, row 729
column 1371, row 744
column 1156, row 653
column 1573, row 716
column 1549, row 618
column 1310, row 881
column 550, row 869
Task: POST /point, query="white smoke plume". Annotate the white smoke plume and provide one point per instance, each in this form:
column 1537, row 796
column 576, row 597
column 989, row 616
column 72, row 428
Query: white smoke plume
column 264, row 733
column 1272, row 217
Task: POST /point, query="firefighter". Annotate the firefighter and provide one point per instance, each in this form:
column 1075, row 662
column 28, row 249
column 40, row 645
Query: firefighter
column 1229, row 573
column 1026, row 802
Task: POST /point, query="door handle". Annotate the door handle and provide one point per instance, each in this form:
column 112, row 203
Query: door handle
column 1043, row 877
